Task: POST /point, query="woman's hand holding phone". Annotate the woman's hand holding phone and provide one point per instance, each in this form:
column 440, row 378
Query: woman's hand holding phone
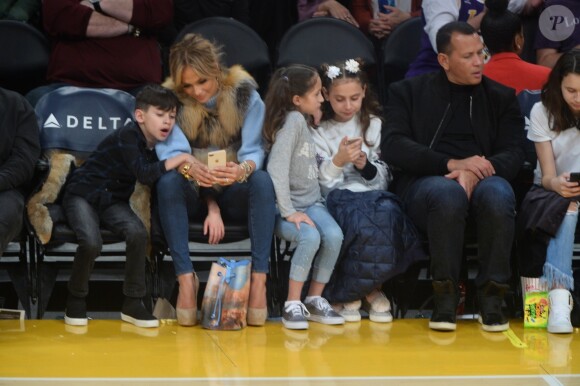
column 566, row 185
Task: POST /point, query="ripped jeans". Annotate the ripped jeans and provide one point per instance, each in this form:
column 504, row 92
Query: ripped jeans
column 558, row 265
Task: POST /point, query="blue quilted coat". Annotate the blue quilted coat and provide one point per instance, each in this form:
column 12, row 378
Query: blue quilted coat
column 380, row 242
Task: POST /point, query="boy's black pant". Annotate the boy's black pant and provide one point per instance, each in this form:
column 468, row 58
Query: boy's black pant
column 120, row 219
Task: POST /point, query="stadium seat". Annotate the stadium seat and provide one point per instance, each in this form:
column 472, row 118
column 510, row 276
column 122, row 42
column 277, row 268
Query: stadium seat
column 72, row 122
column 25, row 54
column 324, row 40
column 398, row 51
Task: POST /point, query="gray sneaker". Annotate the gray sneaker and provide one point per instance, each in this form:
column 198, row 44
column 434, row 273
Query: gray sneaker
column 294, row 316
column 321, row 312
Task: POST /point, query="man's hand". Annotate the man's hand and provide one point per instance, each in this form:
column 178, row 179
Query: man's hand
column 476, row 164
column 466, row 179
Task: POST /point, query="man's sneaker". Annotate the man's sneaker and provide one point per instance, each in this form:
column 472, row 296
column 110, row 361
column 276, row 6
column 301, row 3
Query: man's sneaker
column 349, row 311
column 490, row 298
column 75, row 313
column 445, row 300
column 294, row 316
column 134, row 312
column 321, row 312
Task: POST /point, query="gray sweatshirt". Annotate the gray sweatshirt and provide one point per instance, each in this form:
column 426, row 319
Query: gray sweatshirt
column 292, row 166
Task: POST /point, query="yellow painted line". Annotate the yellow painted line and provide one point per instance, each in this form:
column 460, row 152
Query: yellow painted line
column 513, row 338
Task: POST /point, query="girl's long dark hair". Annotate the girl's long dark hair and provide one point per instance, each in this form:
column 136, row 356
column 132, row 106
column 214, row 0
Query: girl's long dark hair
column 285, row 83
column 370, row 104
column 560, row 117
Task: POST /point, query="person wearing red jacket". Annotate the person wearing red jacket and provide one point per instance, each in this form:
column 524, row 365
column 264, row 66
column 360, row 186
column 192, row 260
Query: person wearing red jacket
column 103, row 43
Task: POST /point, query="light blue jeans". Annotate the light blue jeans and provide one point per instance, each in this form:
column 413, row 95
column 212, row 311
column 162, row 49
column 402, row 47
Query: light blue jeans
column 317, row 247
column 558, row 265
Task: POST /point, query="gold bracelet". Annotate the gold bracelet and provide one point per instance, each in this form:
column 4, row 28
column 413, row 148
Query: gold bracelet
column 247, row 169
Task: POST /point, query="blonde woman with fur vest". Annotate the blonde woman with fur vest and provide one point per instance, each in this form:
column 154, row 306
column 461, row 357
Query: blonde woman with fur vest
column 221, row 110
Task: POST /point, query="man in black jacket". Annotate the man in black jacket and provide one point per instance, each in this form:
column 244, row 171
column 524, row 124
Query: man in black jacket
column 19, row 151
column 455, row 136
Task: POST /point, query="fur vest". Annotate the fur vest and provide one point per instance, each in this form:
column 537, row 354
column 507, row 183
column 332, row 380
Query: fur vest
column 207, row 128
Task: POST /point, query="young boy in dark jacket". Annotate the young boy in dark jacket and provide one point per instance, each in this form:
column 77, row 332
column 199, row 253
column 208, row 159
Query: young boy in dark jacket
column 98, row 195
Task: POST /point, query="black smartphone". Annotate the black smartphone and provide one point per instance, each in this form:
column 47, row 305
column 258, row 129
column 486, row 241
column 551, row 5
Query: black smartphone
column 574, row 177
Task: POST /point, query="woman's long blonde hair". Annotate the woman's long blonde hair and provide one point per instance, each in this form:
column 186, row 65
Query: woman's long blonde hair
column 199, row 54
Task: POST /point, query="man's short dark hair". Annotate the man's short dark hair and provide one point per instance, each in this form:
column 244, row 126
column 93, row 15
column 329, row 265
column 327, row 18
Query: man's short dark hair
column 444, row 34
column 157, row 96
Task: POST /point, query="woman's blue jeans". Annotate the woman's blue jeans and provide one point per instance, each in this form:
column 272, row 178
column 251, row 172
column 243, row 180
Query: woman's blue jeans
column 253, row 201
column 323, row 241
column 440, row 209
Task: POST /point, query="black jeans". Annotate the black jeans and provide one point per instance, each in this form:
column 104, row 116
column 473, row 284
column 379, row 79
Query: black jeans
column 120, row 219
column 440, row 209
column 11, row 214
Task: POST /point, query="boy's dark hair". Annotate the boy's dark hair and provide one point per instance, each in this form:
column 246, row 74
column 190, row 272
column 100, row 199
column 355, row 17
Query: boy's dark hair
column 157, row 96
column 444, row 34
column 499, row 26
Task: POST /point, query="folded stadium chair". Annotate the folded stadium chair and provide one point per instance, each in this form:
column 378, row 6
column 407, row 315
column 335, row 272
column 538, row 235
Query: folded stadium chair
column 72, row 122
column 240, row 44
column 25, row 55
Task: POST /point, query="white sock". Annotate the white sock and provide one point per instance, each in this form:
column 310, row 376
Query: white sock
column 309, row 299
column 289, row 302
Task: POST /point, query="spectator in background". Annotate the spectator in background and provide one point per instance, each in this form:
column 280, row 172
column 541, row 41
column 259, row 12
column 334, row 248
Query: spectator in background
column 332, row 8
column 379, row 23
column 548, row 51
column 437, row 13
column 502, row 33
column 19, row 151
column 103, row 43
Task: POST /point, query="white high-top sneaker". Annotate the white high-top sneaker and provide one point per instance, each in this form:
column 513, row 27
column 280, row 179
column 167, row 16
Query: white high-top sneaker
column 559, row 313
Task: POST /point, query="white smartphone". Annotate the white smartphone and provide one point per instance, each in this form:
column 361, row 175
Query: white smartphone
column 216, row 158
